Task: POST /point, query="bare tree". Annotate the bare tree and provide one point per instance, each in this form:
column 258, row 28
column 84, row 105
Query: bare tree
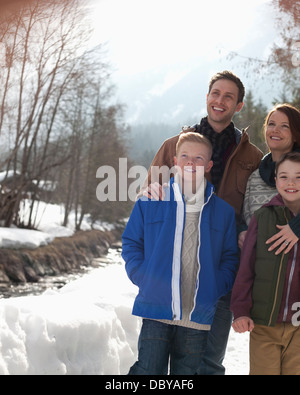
column 43, row 43
column 283, row 62
column 56, row 119
column 97, row 138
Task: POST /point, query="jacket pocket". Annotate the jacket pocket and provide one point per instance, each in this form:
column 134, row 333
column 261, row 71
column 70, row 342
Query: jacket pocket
column 137, row 276
column 244, row 170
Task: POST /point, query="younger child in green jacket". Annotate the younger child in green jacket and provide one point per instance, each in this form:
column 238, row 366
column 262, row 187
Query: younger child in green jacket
column 266, row 294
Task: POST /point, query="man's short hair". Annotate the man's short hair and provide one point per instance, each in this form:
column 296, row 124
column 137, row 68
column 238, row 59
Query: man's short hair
column 228, row 75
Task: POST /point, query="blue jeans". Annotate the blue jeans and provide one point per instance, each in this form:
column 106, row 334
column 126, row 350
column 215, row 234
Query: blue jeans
column 159, row 342
column 217, row 339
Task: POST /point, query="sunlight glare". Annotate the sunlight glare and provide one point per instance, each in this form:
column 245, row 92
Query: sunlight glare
column 145, row 34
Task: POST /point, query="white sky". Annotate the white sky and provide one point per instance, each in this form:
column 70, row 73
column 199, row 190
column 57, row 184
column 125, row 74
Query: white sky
column 148, row 34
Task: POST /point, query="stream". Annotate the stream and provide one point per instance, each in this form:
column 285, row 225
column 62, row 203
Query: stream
column 56, row 282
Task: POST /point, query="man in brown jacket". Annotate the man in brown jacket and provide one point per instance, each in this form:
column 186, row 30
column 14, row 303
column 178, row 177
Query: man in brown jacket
column 235, row 158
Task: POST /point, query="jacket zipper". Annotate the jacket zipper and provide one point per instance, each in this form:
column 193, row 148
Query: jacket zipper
column 289, row 283
column 278, row 279
column 176, row 265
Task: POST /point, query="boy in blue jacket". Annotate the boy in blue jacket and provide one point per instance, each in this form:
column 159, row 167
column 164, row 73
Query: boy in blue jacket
column 182, row 254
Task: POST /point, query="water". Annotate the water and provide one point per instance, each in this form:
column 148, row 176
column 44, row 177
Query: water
column 56, row 282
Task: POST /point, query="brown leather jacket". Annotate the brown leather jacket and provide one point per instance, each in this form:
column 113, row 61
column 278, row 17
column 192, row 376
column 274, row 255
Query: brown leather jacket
column 242, row 162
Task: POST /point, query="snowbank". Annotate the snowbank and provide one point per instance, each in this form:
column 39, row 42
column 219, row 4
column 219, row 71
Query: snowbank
column 49, row 218
column 23, row 238
column 84, row 328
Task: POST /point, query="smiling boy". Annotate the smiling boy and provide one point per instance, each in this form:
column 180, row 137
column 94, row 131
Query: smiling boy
column 268, row 285
column 182, row 254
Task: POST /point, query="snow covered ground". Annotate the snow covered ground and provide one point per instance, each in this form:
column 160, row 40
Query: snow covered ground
column 86, row 327
column 48, row 223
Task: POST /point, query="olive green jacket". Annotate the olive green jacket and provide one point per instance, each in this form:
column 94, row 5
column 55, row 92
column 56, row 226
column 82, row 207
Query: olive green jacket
column 270, row 269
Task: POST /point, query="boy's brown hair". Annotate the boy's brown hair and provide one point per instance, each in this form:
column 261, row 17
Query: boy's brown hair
column 192, row 137
column 293, row 156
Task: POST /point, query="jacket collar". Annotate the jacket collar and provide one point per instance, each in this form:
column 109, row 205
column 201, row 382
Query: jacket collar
column 237, row 132
column 275, row 201
column 209, row 190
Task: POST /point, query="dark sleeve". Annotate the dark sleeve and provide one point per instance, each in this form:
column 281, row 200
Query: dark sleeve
column 241, row 299
column 295, row 225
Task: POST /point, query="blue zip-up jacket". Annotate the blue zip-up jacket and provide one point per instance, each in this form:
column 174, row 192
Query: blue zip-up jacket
column 151, row 249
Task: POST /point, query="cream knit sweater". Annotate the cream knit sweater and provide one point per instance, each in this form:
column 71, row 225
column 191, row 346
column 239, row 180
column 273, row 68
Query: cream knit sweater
column 189, row 261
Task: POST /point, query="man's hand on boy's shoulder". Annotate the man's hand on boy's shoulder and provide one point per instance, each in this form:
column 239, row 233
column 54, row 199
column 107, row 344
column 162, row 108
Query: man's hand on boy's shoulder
column 155, row 191
column 186, row 129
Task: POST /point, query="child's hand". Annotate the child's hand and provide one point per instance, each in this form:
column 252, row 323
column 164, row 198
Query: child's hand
column 241, row 239
column 243, row 324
